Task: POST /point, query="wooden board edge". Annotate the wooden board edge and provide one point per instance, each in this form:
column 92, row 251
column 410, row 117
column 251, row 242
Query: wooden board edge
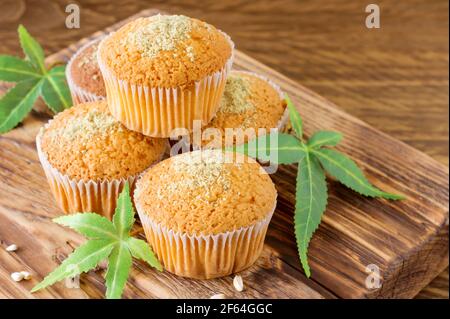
column 404, row 279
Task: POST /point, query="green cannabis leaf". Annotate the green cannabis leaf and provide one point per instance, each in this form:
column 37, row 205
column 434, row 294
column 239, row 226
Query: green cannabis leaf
column 324, row 138
column 310, row 203
column 17, row 102
column 286, row 147
column 313, row 160
column 347, row 172
column 13, row 69
column 296, row 120
column 83, row 259
column 106, row 240
column 55, row 91
column 33, row 79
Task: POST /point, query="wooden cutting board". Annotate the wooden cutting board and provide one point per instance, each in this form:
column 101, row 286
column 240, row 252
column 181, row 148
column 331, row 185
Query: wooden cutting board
column 407, row 240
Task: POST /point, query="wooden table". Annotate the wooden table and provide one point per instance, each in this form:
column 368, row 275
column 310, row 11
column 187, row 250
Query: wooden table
column 395, row 78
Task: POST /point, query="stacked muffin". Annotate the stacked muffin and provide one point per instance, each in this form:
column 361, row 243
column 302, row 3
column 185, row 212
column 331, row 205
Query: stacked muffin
column 250, row 103
column 204, row 216
column 164, row 72
column 88, row 156
column 83, row 75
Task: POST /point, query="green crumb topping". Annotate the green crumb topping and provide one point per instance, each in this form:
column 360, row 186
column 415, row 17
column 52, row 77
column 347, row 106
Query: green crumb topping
column 236, row 96
column 86, row 127
column 202, row 169
column 163, row 33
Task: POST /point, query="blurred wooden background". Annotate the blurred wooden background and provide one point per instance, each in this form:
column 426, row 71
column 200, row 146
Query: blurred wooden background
column 395, row 77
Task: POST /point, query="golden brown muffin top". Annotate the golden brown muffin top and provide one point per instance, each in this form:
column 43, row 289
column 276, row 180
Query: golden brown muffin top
column 86, row 142
column 200, row 193
column 249, row 102
column 85, row 72
column 165, row 51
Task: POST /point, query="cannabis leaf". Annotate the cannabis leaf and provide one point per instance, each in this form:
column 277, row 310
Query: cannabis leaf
column 17, row 102
column 348, row 173
column 54, row 91
column 119, row 265
column 275, row 147
column 324, row 138
column 13, row 69
column 33, row 79
column 313, row 160
column 83, row 259
column 296, row 120
column 32, row 49
column 107, row 240
column 310, row 203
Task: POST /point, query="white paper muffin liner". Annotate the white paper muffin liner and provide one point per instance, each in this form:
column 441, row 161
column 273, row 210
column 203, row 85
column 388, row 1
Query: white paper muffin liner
column 73, row 195
column 282, row 122
column 80, row 95
column 204, row 256
column 157, row 111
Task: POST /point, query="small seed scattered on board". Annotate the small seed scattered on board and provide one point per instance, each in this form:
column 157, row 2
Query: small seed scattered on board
column 238, row 283
column 17, row 276
column 218, row 296
column 11, row 248
column 26, row 275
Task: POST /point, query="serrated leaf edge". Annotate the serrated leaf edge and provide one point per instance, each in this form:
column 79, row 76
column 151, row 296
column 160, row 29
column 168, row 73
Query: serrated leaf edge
column 303, row 254
column 158, row 266
column 40, row 65
column 253, row 147
column 49, row 77
column 110, row 293
column 296, row 119
column 324, row 141
column 31, row 91
column 32, row 75
column 60, row 221
column 370, row 187
column 120, row 222
column 42, row 284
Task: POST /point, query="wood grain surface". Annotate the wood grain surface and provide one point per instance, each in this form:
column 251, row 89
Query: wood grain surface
column 395, row 78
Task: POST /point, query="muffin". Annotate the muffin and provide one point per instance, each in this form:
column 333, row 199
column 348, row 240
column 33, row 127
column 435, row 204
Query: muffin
column 88, row 156
column 165, row 71
column 83, row 75
column 250, row 103
column 204, row 215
